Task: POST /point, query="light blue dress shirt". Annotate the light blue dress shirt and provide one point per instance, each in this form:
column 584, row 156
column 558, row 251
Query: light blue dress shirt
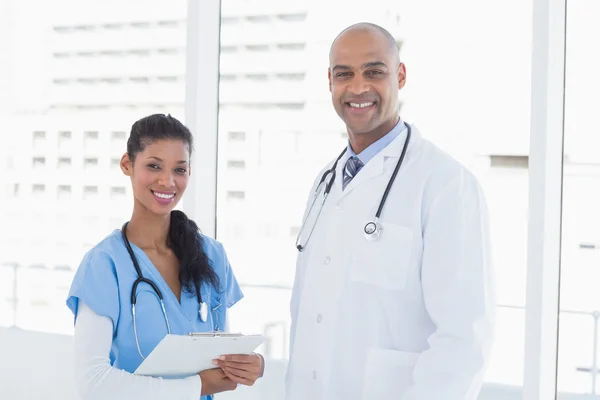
column 367, row 154
column 104, row 280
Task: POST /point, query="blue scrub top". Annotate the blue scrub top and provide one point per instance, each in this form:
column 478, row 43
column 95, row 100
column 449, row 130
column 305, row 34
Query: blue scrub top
column 104, row 280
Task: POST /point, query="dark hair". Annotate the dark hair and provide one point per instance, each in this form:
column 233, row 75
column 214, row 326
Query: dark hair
column 184, row 238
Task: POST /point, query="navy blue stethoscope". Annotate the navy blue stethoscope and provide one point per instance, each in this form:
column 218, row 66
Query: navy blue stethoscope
column 140, row 279
column 372, row 229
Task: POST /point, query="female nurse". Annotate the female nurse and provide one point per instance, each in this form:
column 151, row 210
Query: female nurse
column 189, row 270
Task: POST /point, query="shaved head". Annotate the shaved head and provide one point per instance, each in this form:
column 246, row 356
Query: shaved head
column 369, row 27
column 365, row 75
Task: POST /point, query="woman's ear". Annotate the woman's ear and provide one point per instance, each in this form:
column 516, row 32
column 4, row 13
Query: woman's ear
column 126, row 165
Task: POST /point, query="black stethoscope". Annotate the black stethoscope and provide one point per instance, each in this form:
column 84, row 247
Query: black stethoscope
column 373, row 228
column 203, row 306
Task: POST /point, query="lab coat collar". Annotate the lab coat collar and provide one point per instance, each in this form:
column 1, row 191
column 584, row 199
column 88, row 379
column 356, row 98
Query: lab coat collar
column 377, row 165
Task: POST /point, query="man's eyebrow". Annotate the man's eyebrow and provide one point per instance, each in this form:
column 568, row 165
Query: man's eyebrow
column 366, row 65
column 344, row 67
column 371, row 64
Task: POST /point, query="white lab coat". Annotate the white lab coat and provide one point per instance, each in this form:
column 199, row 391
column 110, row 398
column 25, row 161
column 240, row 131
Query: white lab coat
column 407, row 317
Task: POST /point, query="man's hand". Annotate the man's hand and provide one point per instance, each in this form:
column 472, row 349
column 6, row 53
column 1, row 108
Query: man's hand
column 240, row 368
column 215, row 381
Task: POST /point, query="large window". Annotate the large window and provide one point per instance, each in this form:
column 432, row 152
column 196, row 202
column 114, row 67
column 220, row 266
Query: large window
column 97, row 69
column 578, row 361
column 77, row 73
column 275, row 134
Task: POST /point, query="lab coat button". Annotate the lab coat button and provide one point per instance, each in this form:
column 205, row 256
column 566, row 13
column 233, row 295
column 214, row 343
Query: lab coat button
column 327, row 260
column 314, row 374
column 319, row 318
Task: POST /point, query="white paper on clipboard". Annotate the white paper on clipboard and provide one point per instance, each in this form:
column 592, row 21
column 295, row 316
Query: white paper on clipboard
column 179, row 356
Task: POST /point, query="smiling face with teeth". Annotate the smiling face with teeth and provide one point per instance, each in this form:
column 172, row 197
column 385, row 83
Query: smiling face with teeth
column 365, row 75
column 159, row 175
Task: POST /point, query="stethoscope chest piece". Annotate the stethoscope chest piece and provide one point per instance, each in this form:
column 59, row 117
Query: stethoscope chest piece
column 203, row 311
column 373, row 231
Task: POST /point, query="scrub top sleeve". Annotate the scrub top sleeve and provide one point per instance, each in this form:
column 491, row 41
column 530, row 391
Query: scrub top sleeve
column 96, row 284
column 229, row 282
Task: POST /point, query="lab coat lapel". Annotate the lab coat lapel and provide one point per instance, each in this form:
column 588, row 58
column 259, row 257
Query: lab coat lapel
column 376, row 166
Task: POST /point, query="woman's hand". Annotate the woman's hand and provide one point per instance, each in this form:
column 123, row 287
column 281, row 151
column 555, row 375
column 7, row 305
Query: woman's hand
column 240, row 368
column 215, row 381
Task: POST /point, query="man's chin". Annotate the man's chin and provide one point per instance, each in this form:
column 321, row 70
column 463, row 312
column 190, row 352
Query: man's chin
column 359, row 129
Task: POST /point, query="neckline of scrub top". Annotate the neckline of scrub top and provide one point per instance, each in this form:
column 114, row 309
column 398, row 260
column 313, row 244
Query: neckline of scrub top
column 164, row 286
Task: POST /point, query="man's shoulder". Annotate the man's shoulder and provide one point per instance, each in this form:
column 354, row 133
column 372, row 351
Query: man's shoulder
column 440, row 167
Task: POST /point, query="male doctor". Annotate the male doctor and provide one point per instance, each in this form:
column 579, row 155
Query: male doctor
column 407, row 314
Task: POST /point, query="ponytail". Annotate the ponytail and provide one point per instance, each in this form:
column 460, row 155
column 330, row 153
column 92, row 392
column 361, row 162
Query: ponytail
column 188, row 246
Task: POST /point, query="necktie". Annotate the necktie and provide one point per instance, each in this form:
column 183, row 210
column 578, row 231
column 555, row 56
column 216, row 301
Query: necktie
column 353, row 165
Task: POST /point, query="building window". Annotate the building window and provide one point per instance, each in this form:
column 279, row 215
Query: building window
column 169, row 51
column 140, row 52
column 257, row 77
column 168, row 79
column 141, row 25
column 118, row 135
column 38, row 188
column 39, row 162
column 64, row 162
column 171, row 24
column 115, row 163
column 90, row 192
column 291, row 77
column 117, row 191
column 140, row 79
column 236, row 164
column 237, row 136
column 90, row 139
column 258, row 18
column 64, row 190
column 290, row 106
column 292, row 17
column 85, row 28
column 228, row 49
column 90, row 162
column 64, row 135
column 236, row 195
column 62, row 29
column 509, row 161
column 38, row 138
column 291, row 46
column 113, row 26
column 229, row 20
column 257, row 48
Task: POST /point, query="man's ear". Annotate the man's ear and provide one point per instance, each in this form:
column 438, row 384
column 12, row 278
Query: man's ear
column 401, row 76
column 329, row 78
column 126, row 165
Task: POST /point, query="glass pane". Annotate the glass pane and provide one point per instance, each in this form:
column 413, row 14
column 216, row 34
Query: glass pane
column 578, row 362
column 74, row 76
column 467, row 90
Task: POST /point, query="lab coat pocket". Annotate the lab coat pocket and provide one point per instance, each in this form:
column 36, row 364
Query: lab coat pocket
column 383, row 262
column 388, row 373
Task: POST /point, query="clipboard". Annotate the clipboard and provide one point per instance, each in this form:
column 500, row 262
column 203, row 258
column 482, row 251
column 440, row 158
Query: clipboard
column 180, row 356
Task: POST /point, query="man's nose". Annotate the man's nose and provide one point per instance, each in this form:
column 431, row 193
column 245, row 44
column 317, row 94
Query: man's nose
column 358, row 86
